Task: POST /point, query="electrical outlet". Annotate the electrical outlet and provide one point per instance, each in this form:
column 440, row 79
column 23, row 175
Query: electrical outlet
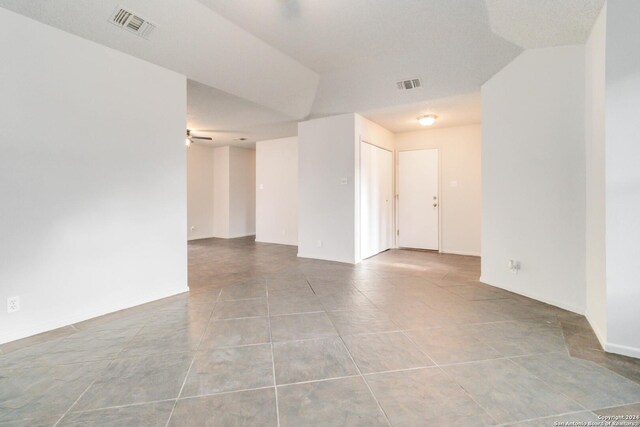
column 319, row 243
column 514, row 266
column 13, row 304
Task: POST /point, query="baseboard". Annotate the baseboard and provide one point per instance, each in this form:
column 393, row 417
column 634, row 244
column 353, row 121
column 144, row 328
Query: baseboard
column 597, row 331
column 237, row 236
column 352, row 262
column 559, row 304
column 623, row 350
column 465, row 253
column 192, row 239
column 276, row 243
column 49, row 325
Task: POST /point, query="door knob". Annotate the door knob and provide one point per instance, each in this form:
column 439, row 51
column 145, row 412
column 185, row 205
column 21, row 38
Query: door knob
column 435, row 205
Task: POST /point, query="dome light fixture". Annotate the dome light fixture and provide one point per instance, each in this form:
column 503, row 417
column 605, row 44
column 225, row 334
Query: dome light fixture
column 427, row 120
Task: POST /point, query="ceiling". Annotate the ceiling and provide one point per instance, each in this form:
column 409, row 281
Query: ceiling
column 255, row 68
column 458, row 110
column 225, row 118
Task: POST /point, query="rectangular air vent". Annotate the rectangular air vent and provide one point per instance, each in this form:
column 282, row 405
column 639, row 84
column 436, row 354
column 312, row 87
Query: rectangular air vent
column 409, row 84
column 131, row 22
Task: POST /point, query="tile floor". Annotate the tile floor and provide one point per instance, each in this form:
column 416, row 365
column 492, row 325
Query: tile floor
column 407, row 338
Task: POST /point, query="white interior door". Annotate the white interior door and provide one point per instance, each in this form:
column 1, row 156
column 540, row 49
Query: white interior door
column 376, row 196
column 418, row 199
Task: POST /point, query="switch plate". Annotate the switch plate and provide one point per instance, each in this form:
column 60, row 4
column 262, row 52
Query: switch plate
column 319, row 243
column 453, row 184
column 261, row 187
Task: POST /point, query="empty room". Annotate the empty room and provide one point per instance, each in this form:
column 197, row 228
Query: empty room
column 319, row 213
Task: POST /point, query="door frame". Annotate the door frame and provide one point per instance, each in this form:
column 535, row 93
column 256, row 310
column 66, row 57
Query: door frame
column 393, row 219
column 397, row 195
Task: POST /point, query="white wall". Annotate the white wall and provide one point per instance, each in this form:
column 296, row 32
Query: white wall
column 277, row 191
column 242, row 192
column 92, row 179
column 596, row 292
column 533, row 176
column 622, row 155
column 221, row 182
column 200, row 176
column 326, row 188
column 234, row 194
column 460, row 183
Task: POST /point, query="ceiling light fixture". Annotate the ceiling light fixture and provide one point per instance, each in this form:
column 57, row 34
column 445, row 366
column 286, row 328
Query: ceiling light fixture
column 427, row 120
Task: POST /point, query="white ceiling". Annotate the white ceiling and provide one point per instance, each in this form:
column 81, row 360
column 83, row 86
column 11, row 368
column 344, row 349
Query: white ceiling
column 452, row 111
column 262, row 65
column 191, row 40
column 224, row 117
column 543, row 23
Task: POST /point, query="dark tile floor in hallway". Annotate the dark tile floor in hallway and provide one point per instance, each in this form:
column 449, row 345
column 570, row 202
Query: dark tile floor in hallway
column 406, row 338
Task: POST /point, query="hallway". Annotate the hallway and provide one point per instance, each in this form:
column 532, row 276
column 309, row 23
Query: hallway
column 405, row 338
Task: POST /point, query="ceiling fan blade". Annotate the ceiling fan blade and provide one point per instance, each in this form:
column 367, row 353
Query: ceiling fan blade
column 202, row 137
column 216, row 131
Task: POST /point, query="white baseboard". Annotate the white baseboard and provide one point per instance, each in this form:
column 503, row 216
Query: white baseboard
column 623, row 350
column 49, row 325
column 276, row 243
column 237, row 236
column 191, row 239
column 465, row 253
column 560, row 304
column 352, row 262
column 597, row 331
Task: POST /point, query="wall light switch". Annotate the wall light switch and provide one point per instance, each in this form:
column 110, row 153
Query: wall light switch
column 453, row 184
column 319, row 243
column 261, row 187
column 344, row 181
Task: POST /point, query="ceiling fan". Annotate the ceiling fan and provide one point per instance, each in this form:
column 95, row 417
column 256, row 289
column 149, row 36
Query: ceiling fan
column 190, row 138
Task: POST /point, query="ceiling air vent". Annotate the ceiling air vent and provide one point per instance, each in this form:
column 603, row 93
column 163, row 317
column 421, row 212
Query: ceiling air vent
column 132, row 22
column 409, row 84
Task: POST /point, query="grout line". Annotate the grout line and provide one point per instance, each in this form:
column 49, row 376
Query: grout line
column 386, row 417
column 615, row 406
column 543, row 418
column 222, row 393
column 111, row 360
column 127, row 405
column 319, row 380
column 76, row 401
column 294, row 314
column 450, row 377
column 273, row 361
column 193, row 359
column 180, row 392
column 551, row 387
